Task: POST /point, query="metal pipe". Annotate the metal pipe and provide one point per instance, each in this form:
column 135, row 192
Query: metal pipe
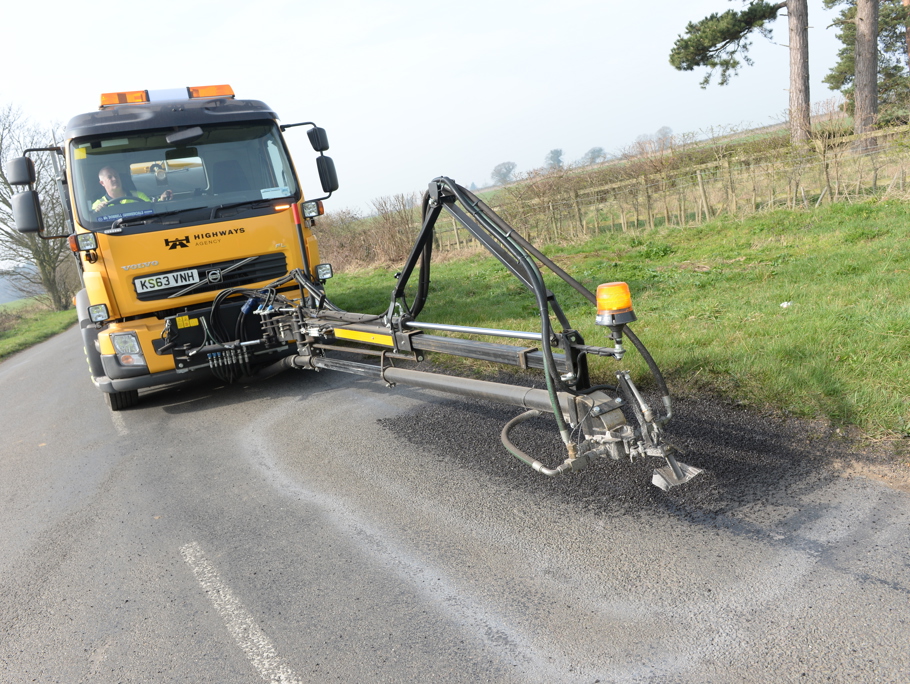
column 512, row 395
column 470, row 330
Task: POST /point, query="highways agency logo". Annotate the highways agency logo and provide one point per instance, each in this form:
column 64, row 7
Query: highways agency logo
column 177, row 242
column 200, row 239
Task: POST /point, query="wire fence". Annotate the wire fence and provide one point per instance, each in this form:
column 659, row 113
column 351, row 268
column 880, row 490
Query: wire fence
column 660, row 186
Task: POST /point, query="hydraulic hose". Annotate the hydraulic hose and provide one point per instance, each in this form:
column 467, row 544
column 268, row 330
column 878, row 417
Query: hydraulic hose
column 540, row 256
column 520, row 240
column 504, row 234
column 522, row 456
column 655, row 371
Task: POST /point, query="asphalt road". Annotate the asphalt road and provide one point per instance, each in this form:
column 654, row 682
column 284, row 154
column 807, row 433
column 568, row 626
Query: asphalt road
column 319, row 527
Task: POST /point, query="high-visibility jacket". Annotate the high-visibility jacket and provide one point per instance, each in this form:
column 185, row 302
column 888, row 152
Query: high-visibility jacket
column 134, row 196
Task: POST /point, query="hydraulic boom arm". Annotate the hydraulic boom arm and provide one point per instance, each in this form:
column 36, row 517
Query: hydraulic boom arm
column 590, row 420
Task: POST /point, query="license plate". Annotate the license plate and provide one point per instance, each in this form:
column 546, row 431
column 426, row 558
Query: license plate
column 166, row 280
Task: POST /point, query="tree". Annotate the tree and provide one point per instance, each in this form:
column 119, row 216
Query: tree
column 593, row 156
column 553, row 160
column 51, row 271
column 664, row 138
column 866, row 79
column 892, row 77
column 396, row 224
column 720, row 41
column 502, row 173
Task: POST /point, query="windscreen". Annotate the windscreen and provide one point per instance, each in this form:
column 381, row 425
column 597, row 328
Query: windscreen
column 130, row 179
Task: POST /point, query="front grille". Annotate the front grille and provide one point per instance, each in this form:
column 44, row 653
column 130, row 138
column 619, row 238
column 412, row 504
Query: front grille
column 263, row 267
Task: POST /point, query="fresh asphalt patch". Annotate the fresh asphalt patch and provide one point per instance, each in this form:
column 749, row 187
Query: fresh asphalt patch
column 751, row 461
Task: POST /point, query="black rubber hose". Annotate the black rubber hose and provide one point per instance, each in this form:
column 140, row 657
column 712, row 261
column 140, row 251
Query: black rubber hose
column 480, row 209
column 646, row 355
column 520, row 239
column 539, row 289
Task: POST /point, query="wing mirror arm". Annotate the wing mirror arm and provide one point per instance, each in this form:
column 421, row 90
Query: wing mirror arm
column 319, row 140
column 26, row 204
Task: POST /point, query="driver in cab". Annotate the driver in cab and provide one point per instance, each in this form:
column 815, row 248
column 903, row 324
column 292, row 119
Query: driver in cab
column 114, row 192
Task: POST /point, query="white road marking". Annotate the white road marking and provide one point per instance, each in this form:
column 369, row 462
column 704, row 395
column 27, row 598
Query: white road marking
column 119, row 425
column 252, row 640
column 496, row 631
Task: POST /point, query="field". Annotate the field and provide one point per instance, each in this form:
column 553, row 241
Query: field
column 800, row 311
column 24, row 323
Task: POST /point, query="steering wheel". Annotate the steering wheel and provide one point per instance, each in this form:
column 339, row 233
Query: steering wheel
column 124, row 200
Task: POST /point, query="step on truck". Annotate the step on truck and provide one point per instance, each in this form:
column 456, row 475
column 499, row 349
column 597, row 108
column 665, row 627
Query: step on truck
column 196, row 253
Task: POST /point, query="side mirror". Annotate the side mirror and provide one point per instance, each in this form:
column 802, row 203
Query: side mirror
column 318, row 139
column 327, row 175
column 27, row 211
column 20, row 171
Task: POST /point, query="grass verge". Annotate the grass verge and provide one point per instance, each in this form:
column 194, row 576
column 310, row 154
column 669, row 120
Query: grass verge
column 803, row 312
column 24, row 323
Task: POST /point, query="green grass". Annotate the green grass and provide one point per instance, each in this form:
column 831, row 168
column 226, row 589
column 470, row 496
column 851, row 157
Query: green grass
column 24, row 323
column 708, row 300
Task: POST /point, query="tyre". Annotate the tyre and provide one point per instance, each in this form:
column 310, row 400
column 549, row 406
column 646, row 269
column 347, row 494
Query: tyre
column 122, row 400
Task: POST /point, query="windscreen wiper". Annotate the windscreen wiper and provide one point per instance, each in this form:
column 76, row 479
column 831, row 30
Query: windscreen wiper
column 249, row 204
column 148, row 218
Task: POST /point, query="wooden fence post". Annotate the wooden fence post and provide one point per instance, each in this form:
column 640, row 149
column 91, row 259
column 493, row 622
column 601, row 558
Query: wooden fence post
column 704, row 196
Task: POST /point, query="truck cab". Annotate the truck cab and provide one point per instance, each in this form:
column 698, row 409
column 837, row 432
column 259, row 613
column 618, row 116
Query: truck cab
column 176, row 196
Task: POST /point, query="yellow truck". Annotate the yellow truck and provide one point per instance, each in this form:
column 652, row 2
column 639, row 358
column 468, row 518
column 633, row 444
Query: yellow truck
column 195, row 248
column 205, row 197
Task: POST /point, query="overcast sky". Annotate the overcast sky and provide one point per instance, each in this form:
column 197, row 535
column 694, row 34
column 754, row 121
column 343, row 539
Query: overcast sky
column 408, row 90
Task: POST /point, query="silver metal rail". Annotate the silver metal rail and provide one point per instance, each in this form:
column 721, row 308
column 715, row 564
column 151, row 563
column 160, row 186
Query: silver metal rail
column 469, row 330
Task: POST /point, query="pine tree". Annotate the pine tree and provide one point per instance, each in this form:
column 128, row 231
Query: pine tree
column 893, row 72
column 720, row 41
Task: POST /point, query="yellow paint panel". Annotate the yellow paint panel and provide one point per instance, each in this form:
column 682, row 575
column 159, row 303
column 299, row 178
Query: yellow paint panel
column 371, row 338
column 96, row 290
column 104, row 341
column 224, row 241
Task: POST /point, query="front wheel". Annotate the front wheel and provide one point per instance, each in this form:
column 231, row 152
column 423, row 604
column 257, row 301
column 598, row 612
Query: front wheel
column 122, row 400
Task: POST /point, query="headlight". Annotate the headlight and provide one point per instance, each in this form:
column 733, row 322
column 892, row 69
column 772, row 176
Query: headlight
column 98, row 313
column 313, row 209
column 129, row 352
column 323, row 271
column 83, row 242
column 86, row 241
column 126, row 343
